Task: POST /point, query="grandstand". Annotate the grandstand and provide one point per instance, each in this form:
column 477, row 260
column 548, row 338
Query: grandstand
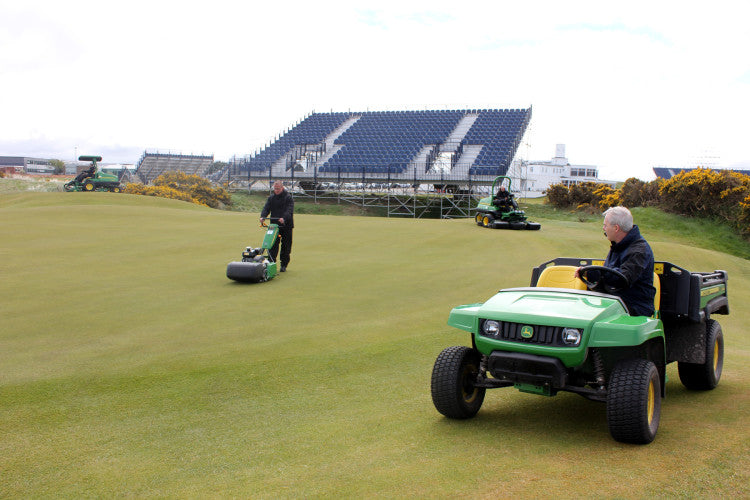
column 668, row 173
column 153, row 164
column 445, row 146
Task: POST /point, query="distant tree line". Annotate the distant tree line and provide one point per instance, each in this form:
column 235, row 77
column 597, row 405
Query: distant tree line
column 722, row 195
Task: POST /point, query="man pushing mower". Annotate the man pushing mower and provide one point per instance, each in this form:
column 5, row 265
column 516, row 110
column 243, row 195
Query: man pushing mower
column 280, row 206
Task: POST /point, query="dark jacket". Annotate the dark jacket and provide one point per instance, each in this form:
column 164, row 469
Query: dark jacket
column 633, row 257
column 280, row 205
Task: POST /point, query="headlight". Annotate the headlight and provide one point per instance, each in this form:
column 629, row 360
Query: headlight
column 571, row 336
column 491, row 328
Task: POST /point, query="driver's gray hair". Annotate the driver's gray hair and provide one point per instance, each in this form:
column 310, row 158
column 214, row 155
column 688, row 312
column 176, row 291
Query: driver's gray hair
column 620, row 216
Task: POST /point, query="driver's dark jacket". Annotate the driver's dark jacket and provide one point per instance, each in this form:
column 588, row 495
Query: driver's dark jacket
column 633, row 257
column 280, row 206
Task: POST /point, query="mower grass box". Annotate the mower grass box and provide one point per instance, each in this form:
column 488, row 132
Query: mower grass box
column 564, row 334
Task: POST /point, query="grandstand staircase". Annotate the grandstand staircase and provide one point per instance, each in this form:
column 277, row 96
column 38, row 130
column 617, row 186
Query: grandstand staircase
column 279, row 167
column 448, row 148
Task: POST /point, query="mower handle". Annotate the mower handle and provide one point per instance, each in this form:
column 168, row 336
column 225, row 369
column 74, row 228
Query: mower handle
column 263, row 222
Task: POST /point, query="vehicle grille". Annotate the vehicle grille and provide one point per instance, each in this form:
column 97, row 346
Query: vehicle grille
column 543, row 335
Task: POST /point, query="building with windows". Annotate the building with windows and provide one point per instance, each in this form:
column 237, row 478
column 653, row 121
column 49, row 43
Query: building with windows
column 532, row 178
column 39, row 166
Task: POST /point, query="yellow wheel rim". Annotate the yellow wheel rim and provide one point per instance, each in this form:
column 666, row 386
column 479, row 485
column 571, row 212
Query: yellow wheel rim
column 469, row 397
column 486, row 221
column 716, row 353
column 478, row 218
column 651, row 398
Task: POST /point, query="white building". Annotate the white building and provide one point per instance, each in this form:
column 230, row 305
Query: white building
column 532, row 178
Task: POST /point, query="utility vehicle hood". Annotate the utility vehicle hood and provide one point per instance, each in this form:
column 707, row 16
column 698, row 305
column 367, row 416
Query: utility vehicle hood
column 540, row 306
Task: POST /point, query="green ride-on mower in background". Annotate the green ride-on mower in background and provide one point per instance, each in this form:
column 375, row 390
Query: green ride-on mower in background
column 256, row 265
column 568, row 334
column 502, row 214
column 93, row 179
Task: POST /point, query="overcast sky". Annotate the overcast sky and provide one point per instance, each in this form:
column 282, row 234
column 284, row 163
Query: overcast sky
column 627, row 86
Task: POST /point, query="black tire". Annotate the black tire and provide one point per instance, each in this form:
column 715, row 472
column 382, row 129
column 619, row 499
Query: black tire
column 705, row 376
column 533, row 226
column 117, row 189
column 634, row 401
column 501, row 224
column 487, row 220
column 453, row 391
column 478, row 219
column 88, row 186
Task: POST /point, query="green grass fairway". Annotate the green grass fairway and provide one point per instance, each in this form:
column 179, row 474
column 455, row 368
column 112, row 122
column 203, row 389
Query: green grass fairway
column 130, row 366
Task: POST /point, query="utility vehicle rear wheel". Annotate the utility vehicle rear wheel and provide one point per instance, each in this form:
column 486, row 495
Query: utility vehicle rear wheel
column 705, row 376
column 487, row 220
column 634, row 401
column 453, row 376
column 88, row 186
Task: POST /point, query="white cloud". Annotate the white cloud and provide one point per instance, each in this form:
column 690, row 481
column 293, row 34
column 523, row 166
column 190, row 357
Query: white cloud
column 626, row 87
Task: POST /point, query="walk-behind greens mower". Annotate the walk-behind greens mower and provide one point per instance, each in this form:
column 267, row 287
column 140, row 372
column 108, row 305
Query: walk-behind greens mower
column 93, row 179
column 497, row 213
column 564, row 334
column 257, row 264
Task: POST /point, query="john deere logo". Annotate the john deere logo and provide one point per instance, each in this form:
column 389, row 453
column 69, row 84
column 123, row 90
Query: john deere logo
column 527, row 332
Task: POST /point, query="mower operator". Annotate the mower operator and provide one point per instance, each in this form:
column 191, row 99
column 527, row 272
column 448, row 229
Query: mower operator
column 280, row 206
column 85, row 174
column 502, row 198
column 631, row 255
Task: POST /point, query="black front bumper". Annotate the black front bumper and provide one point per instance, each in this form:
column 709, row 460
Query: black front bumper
column 527, row 369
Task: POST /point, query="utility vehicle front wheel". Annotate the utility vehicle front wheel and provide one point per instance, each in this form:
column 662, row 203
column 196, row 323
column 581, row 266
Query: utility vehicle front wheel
column 453, row 376
column 478, row 219
column 705, row 376
column 634, row 401
column 487, row 220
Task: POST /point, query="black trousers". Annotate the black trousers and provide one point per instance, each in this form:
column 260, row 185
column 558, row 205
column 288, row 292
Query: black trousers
column 285, row 242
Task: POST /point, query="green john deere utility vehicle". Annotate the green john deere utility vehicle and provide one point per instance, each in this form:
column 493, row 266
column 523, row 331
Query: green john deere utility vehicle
column 256, row 265
column 500, row 210
column 568, row 334
column 93, row 179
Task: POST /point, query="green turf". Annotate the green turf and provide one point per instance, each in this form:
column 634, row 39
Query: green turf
column 131, row 367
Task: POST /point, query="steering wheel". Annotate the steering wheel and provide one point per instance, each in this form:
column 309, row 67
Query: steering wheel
column 616, row 282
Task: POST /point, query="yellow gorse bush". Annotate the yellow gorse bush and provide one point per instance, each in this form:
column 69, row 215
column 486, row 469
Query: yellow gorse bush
column 185, row 187
column 723, row 195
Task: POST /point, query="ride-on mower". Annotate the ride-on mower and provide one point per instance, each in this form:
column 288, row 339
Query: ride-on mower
column 568, row 334
column 257, row 265
column 502, row 213
column 92, row 179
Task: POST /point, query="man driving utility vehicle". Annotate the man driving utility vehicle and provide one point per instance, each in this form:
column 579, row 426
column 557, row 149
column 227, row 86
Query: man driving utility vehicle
column 630, row 255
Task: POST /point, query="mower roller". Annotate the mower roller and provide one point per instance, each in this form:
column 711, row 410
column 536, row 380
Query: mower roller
column 505, row 215
column 257, row 265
